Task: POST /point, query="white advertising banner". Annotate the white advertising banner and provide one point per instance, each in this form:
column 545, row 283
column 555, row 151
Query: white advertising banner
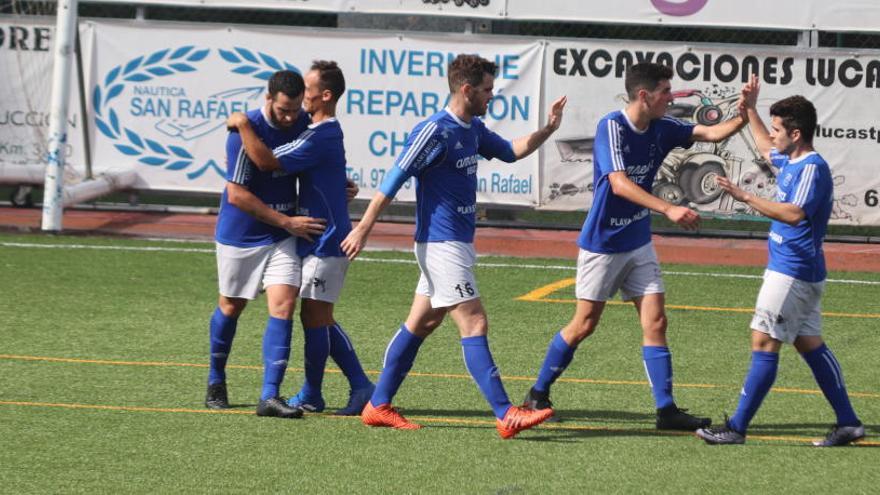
column 26, row 64
column 706, row 84
column 160, row 95
column 839, row 15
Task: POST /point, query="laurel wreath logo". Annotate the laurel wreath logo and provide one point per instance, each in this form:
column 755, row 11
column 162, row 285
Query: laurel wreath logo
column 160, row 64
column 256, row 65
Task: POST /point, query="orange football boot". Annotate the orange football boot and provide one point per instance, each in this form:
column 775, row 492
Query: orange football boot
column 517, row 419
column 385, row 415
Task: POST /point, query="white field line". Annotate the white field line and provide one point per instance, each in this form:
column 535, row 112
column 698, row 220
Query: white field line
column 393, row 260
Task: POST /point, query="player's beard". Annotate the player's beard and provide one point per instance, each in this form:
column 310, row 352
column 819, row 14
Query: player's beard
column 277, row 122
column 280, row 123
column 479, row 110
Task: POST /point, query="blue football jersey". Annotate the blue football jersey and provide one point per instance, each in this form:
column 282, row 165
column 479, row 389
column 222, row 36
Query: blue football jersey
column 797, row 250
column 442, row 154
column 276, row 189
column 614, row 224
column 317, row 156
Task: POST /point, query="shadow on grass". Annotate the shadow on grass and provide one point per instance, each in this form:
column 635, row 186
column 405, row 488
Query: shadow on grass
column 566, row 415
column 575, row 424
column 872, row 432
column 805, row 428
column 579, row 425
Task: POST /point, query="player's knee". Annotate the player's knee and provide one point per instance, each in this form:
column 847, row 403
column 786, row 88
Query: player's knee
column 314, row 314
column 430, row 325
column 578, row 330
column 282, row 309
column 656, row 326
column 231, row 307
column 808, row 343
column 315, row 321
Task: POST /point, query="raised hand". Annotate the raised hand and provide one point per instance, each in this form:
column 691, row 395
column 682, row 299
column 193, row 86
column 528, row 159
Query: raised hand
column 554, row 119
column 750, row 91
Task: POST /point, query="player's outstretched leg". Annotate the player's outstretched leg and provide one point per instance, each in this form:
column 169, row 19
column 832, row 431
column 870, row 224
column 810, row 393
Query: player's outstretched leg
column 222, row 333
column 559, row 356
column 399, row 358
column 658, row 367
column 510, row 420
column 316, row 349
column 360, row 387
column 759, row 380
column 829, row 376
column 276, row 352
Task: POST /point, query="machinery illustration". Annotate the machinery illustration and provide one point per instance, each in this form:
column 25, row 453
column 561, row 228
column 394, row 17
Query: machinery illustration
column 687, row 176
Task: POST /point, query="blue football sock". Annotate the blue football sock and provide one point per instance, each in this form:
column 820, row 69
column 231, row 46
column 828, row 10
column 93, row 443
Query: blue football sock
column 828, row 375
column 222, row 332
column 559, row 355
column 658, row 367
column 316, row 348
column 276, row 352
column 399, row 358
column 759, row 380
column 342, row 351
column 479, row 363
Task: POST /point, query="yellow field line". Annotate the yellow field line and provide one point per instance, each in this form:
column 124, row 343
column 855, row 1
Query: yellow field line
column 459, row 376
column 540, row 295
column 420, row 419
column 541, row 292
column 123, row 408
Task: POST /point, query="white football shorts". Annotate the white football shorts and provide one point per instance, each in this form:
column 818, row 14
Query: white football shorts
column 635, row 273
column 322, row 278
column 788, row 307
column 447, row 272
column 243, row 272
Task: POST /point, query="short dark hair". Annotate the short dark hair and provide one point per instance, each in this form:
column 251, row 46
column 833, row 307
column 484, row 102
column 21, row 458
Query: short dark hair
column 330, row 77
column 288, row 82
column 469, row 69
column 646, row 75
column 796, row 112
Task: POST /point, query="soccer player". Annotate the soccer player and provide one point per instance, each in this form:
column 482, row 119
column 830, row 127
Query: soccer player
column 615, row 243
column 255, row 249
column 442, row 153
column 317, row 156
column 788, row 305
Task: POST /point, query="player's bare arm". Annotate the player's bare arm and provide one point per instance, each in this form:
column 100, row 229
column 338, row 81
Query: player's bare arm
column 784, row 212
column 240, row 197
column 622, row 186
column 759, row 131
column 256, row 150
column 720, row 131
column 525, row 145
column 355, row 241
column 723, row 130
